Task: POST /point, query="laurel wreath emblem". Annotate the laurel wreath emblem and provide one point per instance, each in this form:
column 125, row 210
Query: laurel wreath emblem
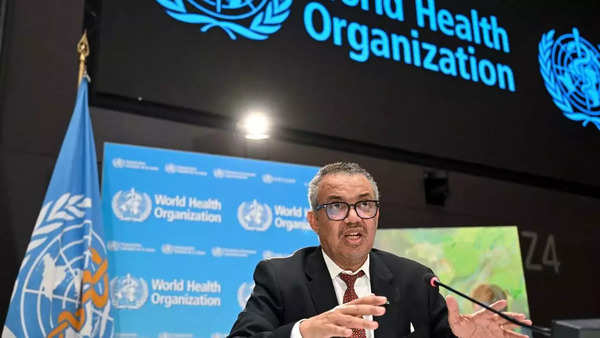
column 66, row 208
column 552, row 85
column 263, row 24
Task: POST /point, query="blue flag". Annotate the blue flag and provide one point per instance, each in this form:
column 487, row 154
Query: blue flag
column 62, row 286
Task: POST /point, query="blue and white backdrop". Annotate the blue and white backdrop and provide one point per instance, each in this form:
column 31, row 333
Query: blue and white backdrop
column 184, row 232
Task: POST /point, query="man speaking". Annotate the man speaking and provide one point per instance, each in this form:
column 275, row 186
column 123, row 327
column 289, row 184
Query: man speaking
column 344, row 287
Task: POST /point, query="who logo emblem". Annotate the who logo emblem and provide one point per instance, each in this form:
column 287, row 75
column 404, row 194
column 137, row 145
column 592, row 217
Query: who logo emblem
column 128, row 292
column 131, row 205
column 57, row 277
column 254, row 216
column 244, row 293
column 570, row 67
column 252, row 19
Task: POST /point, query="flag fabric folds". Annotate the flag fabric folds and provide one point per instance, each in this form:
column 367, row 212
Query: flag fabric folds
column 62, row 289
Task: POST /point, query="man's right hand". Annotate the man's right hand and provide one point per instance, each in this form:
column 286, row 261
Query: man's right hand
column 339, row 321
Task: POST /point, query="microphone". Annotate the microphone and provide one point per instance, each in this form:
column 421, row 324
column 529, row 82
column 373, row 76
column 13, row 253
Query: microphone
column 432, row 280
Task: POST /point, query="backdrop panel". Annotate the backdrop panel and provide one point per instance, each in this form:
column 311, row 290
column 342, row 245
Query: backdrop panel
column 484, row 262
column 185, row 231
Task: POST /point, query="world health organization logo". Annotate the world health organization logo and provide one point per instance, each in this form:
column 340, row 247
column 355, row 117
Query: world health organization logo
column 570, row 67
column 267, row 178
column 255, row 216
column 170, row 168
column 219, row 173
column 131, row 205
column 128, row 292
column 59, row 275
column 253, row 19
column 244, row 293
column 118, row 162
column 218, row 335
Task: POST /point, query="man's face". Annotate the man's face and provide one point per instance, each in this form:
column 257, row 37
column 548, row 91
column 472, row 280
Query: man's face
column 346, row 242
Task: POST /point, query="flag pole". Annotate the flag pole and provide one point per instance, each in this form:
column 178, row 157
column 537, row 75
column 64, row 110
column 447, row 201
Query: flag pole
column 62, row 288
column 83, row 49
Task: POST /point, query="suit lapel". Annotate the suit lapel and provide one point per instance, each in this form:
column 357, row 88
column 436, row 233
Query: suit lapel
column 319, row 282
column 381, row 285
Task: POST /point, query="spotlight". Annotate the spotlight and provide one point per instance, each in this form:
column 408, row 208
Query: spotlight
column 256, row 126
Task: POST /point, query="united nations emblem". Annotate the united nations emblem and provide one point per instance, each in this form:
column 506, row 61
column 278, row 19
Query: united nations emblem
column 219, row 173
column 217, row 251
column 118, row 162
column 267, row 178
column 244, row 293
column 167, row 249
column 128, row 292
column 131, row 205
column 570, row 67
column 112, row 246
column 170, row 168
column 218, row 335
column 59, row 276
column 253, row 19
column 254, row 216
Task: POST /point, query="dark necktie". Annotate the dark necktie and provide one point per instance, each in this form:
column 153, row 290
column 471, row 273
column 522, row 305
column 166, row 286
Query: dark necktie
column 350, row 295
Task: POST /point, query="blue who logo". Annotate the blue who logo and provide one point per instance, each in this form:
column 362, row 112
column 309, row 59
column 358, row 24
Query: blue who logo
column 253, row 19
column 570, row 67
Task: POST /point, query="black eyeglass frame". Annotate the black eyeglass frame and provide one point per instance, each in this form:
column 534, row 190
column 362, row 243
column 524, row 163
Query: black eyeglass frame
column 324, row 206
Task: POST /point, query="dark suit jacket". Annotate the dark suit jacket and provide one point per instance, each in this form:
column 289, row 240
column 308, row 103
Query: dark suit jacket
column 289, row 289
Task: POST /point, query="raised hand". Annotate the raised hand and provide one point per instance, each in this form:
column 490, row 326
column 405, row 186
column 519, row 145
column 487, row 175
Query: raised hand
column 483, row 323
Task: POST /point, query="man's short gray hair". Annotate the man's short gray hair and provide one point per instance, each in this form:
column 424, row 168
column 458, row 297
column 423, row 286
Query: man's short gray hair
column 336, row 168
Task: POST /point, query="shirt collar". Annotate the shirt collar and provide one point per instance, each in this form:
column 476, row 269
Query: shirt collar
column 335, row 270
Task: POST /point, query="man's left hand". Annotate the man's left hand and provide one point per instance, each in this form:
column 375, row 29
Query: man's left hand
column 483, row 323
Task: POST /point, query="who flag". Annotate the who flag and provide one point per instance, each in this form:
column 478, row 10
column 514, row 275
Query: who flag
column 62, row 286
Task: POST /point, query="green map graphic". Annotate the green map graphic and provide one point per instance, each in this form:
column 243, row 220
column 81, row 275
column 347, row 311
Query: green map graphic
column 466, row 258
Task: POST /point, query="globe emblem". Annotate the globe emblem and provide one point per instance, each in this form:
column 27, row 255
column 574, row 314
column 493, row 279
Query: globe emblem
column 218, row 335
column 219, row 173
column 112, row 245
column 118, row 162
column 217, row 251
column 267, row 178
column 577, row 67
column 254, row 216
column 570, row 67
column 170, row 168
column 131, row 205
column 244, row 293
column 252, row 19
column 267, row 254
column 61, row 265
column 229, row 9
column 128, row 292
column 167, row 249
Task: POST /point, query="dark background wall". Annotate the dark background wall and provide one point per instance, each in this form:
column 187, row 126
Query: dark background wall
column 37, row 93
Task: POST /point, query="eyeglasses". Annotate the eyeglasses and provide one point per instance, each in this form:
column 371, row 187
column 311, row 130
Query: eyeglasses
column 337, row 211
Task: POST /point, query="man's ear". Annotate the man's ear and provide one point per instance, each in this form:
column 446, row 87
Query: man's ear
column 312, row 220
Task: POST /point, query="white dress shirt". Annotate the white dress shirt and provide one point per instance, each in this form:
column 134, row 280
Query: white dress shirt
column 362, row 287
